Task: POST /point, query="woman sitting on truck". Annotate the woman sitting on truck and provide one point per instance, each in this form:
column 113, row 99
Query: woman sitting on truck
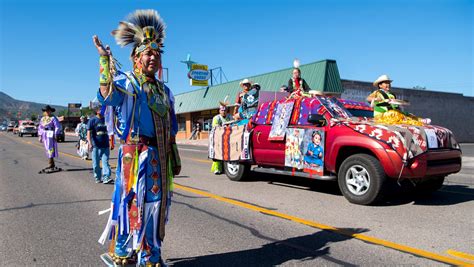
column 386, row 109
column 297, row 86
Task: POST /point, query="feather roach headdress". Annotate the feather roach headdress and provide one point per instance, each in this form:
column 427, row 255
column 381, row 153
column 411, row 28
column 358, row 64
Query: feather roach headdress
column 225, row 103
column 143, row 29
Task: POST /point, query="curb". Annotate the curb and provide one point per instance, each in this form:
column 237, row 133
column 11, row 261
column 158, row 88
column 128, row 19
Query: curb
column 203, row 143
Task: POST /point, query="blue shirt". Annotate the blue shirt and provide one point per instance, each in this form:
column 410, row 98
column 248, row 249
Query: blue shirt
column 98, row 132
column 122, row 98
column 143, row 117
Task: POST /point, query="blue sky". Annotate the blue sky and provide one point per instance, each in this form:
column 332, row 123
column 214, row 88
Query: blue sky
column 47, row 55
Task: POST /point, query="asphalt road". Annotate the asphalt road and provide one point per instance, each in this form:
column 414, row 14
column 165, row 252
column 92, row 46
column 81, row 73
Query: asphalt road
column 52, row 219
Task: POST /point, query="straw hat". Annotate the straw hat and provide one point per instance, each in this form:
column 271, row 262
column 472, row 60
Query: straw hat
column 382, row 78
column 244, row 81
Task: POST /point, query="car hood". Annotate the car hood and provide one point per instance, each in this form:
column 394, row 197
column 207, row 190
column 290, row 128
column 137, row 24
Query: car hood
column 407, row 140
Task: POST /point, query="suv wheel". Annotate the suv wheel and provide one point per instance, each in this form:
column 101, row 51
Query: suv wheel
column 236, row 171
column 361, row 179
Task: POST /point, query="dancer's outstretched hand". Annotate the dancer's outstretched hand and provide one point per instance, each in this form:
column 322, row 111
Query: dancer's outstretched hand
column 103, row 51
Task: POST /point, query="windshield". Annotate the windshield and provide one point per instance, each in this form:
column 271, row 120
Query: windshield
column 361, row 113
column 334, row 107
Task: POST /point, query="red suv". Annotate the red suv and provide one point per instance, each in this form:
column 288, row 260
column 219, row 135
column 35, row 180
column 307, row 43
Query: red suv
column 320, row 138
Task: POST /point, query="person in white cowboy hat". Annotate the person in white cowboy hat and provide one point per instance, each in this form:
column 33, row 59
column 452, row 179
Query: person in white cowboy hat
column 245, row 84
column 389, row 113
column 247, row 101
column 218, row 121
column 380, row 97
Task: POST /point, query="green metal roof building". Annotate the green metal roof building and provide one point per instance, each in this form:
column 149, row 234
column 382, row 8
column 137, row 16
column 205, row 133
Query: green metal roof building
column 203, row 103
column 321, row 75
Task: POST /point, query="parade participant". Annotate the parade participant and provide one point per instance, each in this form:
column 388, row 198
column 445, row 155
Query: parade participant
column 146, row 124
column 314, row 154
column 48, row 130
column 196, row 131
column 245, row 84
column 247, row 101
column 219, row 121
column 383, row 100
column 82, row 145
column 297, row 86
column 98, row 144
column 379, row 98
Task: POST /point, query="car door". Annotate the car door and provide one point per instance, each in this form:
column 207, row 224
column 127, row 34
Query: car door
column 266, row 152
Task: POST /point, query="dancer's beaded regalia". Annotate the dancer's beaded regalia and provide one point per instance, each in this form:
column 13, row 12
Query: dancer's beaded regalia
column 48, row 130
column 148, row 158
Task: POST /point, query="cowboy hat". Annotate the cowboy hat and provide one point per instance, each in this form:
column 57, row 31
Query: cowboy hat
column 48, row 107
column 245, row 81
column 382, row 78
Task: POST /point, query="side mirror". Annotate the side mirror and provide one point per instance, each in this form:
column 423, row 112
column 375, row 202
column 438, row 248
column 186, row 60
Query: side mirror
column 317, row 119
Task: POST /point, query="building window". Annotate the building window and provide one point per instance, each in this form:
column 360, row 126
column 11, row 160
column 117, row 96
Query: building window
column 207, row 124
column 181, row 123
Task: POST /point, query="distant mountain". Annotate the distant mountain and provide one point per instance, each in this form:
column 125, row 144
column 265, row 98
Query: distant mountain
column 10, row 108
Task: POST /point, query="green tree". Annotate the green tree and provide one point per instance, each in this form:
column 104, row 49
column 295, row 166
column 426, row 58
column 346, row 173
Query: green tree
column 62, row 113
column 34, row 117
column 86, row 111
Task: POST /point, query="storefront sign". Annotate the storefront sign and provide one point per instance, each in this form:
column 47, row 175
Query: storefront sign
column 198, row 75
column 74, row 107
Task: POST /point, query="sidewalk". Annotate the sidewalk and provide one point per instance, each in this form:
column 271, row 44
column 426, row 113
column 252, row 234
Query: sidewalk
column 200, row 142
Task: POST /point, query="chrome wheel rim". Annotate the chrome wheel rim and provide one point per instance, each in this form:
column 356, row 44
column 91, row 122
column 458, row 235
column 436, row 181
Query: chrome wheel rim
column 233, row 168
column 357, row 180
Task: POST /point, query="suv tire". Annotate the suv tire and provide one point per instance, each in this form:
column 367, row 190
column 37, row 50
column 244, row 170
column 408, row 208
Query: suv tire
column 362, row 179
column 236, row 171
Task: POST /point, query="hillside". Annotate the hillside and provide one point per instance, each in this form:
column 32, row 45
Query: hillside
column 9, row 108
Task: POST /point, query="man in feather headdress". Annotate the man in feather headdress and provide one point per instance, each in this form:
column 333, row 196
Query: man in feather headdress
column 148, row 157
column 218, row 121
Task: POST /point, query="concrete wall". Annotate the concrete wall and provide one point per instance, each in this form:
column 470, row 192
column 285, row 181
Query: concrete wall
column 450, row 110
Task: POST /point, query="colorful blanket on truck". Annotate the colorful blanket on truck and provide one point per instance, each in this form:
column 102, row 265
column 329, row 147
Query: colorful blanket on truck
column 407, row 140
column 229, row 143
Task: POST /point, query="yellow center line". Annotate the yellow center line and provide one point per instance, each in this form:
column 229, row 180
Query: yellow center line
column 460, row 254
column 368, row 239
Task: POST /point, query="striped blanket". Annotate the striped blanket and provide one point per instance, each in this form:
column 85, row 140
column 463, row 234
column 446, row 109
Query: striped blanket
column 229, row 143
column 407, row 140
